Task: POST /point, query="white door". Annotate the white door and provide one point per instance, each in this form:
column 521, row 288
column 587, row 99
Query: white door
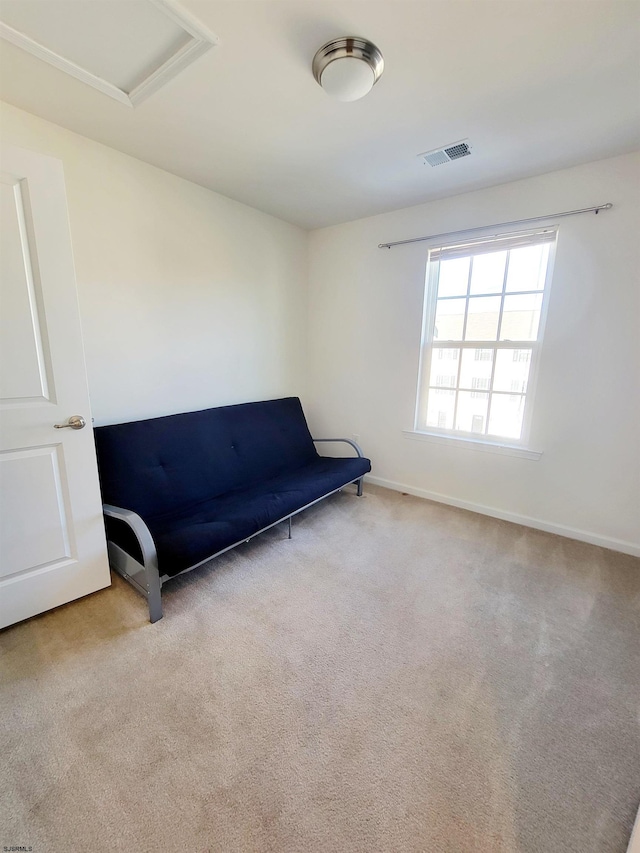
column 52, row 541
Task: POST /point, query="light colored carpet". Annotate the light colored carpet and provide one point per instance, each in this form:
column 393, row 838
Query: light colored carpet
column 402, row 676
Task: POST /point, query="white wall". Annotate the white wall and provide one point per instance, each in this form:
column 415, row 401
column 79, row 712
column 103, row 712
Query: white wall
column 365, row 313
column 188, row 299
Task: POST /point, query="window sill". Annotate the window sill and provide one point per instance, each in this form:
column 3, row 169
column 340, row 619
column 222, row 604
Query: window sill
column 474, row 444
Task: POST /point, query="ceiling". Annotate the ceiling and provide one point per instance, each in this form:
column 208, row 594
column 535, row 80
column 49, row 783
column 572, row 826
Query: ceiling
column 535, row 86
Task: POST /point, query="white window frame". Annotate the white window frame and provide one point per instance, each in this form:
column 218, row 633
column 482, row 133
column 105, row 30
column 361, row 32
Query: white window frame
column 452, row 436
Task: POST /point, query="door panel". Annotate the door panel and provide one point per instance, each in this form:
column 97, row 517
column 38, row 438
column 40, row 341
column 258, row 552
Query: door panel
column 32, row 489
column 52, row 544
column 23, row 373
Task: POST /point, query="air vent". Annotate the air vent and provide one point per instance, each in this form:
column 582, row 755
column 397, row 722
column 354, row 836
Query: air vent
column 447, row 153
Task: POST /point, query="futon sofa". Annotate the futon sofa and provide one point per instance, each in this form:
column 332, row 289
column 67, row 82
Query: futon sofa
column 181, row 489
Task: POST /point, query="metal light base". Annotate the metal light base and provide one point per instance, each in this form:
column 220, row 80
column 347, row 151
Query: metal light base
column 345, row 47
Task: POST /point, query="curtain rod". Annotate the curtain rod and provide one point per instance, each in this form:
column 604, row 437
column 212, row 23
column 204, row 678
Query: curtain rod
column 498, row 225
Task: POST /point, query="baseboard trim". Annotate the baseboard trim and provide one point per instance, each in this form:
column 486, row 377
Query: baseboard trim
column 538, row 524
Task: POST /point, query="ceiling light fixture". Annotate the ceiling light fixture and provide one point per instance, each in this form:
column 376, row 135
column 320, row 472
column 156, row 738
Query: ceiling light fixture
column 347, row 68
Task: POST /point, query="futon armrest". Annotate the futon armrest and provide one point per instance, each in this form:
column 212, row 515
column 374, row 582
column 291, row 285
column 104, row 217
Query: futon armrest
column 355, row 446
column 138, row 528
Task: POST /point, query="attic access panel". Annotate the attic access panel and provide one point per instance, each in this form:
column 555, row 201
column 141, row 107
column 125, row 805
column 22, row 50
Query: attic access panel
column 126, row 49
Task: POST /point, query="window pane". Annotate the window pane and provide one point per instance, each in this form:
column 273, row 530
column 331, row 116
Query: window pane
column 445, row 353
column 482, row 322
column 487, row 274
column 506, row 415
column 444, row 372
column 440, row 408
column 512, row 370
column 472, row 411
column 454, row 275
column 449, row 320
column 521, row 317
column 473, row 368
column 527, row 268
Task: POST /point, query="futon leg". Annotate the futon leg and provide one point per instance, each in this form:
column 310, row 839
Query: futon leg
column 143, row 576
column 360, row 486
column 289, row 527
column 154, row 597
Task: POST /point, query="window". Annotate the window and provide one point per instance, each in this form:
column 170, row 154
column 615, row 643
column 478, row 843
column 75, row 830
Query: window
column 448, row 353
column 482, row 354
column 484, row 315
column 521, row 355
column 445, row 381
